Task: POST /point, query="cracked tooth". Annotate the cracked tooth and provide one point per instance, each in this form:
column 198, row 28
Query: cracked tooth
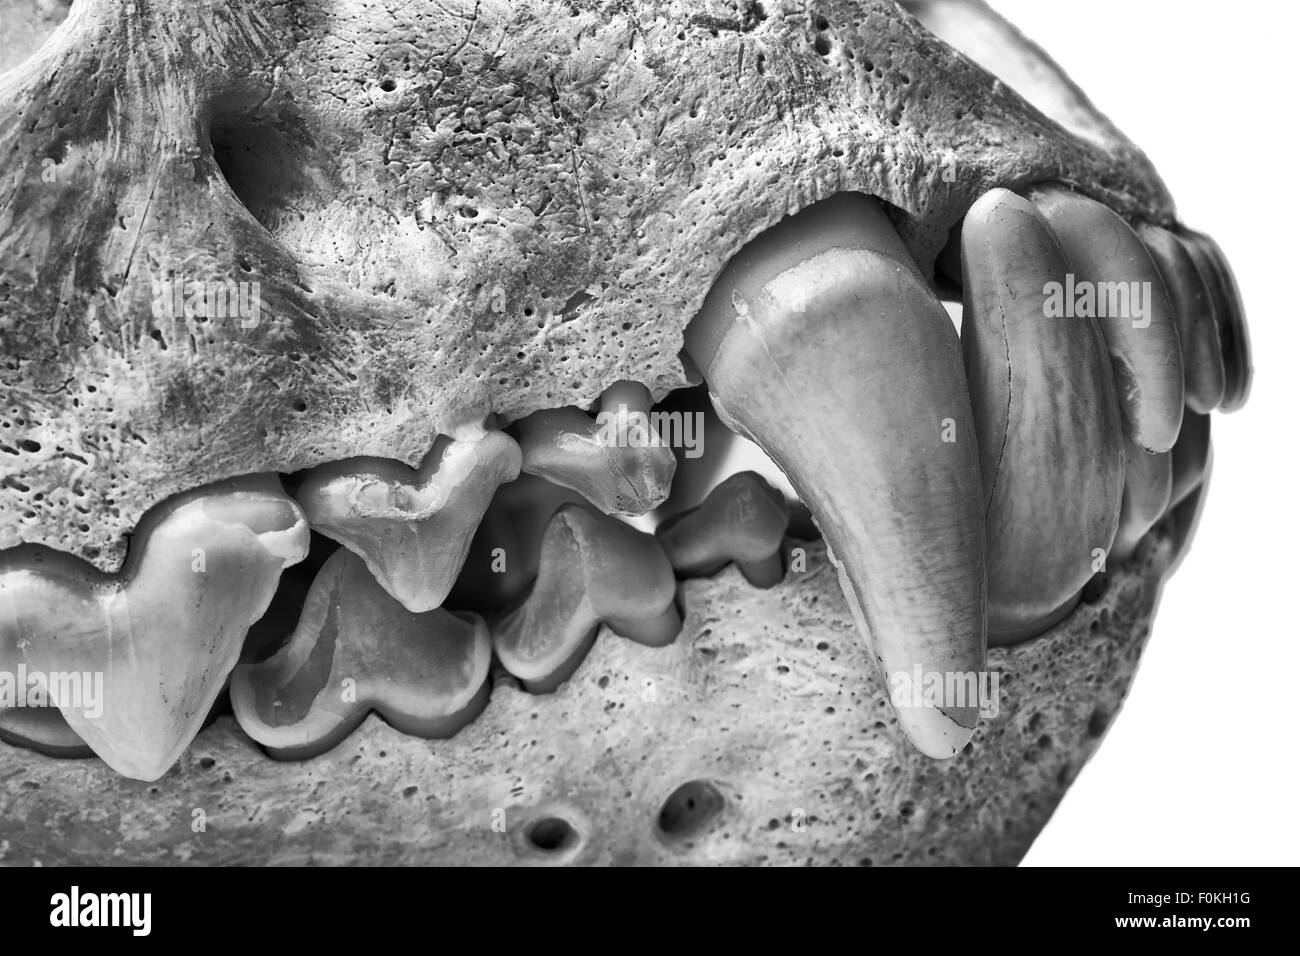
column 1229, row 316
column 167, row 630
column 620, row 470
column 356, row 649
column 1148, row 486
column 42, row 729
column 821, row 342
column 593, row 569
column 1104, row 252
column 1046, row 418
column 743, row 520
column 412, row 528
column 1192, row 457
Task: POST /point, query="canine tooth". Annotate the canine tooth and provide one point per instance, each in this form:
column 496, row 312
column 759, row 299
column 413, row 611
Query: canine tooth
column 1148, row 485
column 1192, row 457
column 1198, row 332
column 42, row 729
column 1107, row 255
column 821, row 342
column 356, row 649
column 1051, row 455
column 165, row 633
column 621, row 470
column 593, row 569
column 743, row 520
column 412, row 528
column 1230, row 316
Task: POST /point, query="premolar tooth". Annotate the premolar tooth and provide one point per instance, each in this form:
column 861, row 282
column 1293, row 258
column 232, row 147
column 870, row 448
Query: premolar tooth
column 743, row 520
column 593, row 569
column 1229, row 314
column 1046, row 417
column 1148, row 485
column 1192, row 457
column 356, row 649
column 1106, row 254
column 822, row 343
column 42, row 729
column 412, row 528
column 165, row 633
column 626, row 471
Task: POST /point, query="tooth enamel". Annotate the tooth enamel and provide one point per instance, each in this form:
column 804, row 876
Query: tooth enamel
column 1106, row 254
column 821, row 342
column 626, row 471
column 1198, row 332
column 1148, row 485
column 42, row 729
column 1046, row 418
column 356, row 650
column 1229, row 316
column 412, row 528
column 167, row 631
column 1191, row 457
column 742, row 520
column 593, row 569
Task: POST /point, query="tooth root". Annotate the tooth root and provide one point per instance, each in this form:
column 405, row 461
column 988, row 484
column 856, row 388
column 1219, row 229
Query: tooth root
column 1046, row 417
column 616, row 462
column 44, row 730
column 743, row 520
column 1106, row 256
column 1191, row 457
column 168, row 630
column 1198, row 332
column 1229, row 316
column 593, row 569
column 821, row 342
column 1148, row 487
column 356, row 649
column 412, row 528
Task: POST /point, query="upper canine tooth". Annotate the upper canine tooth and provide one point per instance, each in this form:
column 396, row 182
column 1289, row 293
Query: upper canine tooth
column 412, row 528
column 1046, row 416
column 1148, row 486
column 821, row 342
column 592, row 569
column 356, row 649
column 1229, row 314
column 743, row 520
column 1109, row 261
column 164, row 634
column 617, row 462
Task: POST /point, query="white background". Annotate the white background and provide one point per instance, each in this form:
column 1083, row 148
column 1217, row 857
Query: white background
column 1200, row 766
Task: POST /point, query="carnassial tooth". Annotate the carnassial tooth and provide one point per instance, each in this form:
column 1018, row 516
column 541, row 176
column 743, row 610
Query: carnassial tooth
column 821, row 342
column 356, row 649
column 42, row 729
column 1109, row 261
column 412, row 528
column 743, row 520
column 1148, row 485
column 593, row 569
column 1198, row 332
column 164, row 633
column 616, row 462
column 1229, row 314
column 1047, row 419
column 1192, row 457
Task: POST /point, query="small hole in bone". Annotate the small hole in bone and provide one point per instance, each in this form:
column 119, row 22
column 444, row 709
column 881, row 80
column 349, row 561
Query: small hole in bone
column 552, row 834
column 689, row 809
column 388, row 84
column 822, row 46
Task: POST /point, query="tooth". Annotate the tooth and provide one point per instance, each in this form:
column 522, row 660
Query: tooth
column 167, row 631
column 821, row 342
column 42, row 729
column 1198, row 332
column 592, row 569
column 412, row 528
column 1107, row 255
column 1046, row 418
column 1192, row 456
column 1230, row 316
column 742, row 520
column 620, row 470
column 1148, row 485
column 356, row 649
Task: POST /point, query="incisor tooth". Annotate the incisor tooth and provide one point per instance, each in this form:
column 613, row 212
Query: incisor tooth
column 356, row 650
column 165, row 633
column 821, row 342
column 1229, row 316
column 412, row 528
column 1148, row 484
column 1110, row 264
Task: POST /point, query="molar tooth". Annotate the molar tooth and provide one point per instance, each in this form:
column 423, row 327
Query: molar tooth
column 1046, row 416
column 626, row 471
column 356, row 649
column 165, row 632
column 1229, row 316
column 593, row 569
column 1104, row 252
column 1148, row 485
column 821, row 342
column 743, row 520
column 412, row 528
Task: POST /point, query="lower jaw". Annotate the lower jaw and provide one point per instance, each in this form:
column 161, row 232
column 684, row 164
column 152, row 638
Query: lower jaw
column 758, row 710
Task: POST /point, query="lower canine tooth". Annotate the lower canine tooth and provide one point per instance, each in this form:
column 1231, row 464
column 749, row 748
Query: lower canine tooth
column 1046, row 417
column 412, row 529
column 1148, row 484
column 592, row 569
column 1229, row 314
column 1192, row 456
column 165, row 633
column 821, row 342
column 356, row 650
